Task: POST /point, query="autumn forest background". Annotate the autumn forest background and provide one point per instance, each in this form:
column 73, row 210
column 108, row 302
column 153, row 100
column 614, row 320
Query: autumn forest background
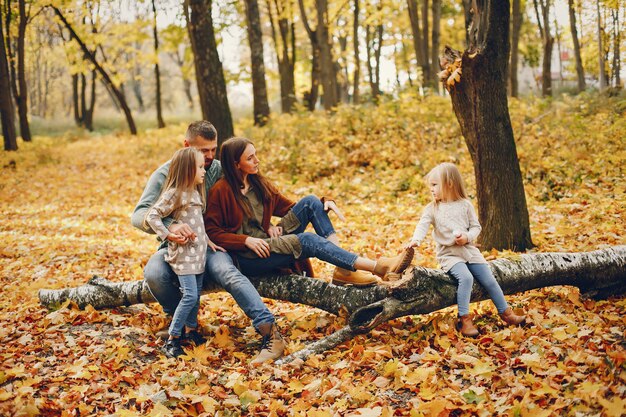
column 343, row 99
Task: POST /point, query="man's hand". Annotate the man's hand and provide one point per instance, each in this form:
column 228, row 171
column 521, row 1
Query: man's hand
column 275, row 231
column 214, row 247
column 330, row 205
column 258, row 246
column 184, row 232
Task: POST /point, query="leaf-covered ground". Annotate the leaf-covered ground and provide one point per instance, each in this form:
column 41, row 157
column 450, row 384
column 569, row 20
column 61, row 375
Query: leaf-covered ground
column 65, row 205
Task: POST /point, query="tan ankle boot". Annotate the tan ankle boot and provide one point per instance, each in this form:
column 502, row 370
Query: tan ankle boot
column 396, row 264
column 466, row 327
column 511, row 318
column 273, row 344
column 357, row 278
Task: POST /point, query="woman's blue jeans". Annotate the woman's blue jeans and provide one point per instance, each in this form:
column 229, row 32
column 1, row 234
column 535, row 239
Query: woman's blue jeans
column 465, row 274
column 186, row 313
column 309, row 210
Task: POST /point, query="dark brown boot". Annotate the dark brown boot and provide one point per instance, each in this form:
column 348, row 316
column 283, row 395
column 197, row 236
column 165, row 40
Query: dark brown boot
column 511, row 318
column 273, row 344
column 466, row 327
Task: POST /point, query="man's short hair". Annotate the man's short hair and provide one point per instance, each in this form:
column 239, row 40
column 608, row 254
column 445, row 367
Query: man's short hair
column 201, row 128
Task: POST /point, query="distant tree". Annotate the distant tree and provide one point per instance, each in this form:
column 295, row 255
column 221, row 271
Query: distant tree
column 418, row 44
column 542, row 11
column 259, row 86
column 476, row 80
column 515, row 35
column 176, row 44
column 7, row 113
column 209, row 72
column 285, row 47
column 157, row 72
column 436, row 32
column 374, row 46
column 580, row 72
column 357, row 60
column 616, row 67
column 601, row 51
column 312, row 95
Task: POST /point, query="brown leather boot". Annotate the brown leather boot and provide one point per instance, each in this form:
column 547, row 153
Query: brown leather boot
column 511, row 318
column 273, row 344
column 466, row 327
column 396, row 264
column 357, row 278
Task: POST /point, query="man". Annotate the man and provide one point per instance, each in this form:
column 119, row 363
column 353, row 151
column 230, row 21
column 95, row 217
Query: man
column 160, row 278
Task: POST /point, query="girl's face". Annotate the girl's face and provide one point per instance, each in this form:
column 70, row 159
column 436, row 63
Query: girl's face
column 435, row 188
column 199, row 179
column 248, row 162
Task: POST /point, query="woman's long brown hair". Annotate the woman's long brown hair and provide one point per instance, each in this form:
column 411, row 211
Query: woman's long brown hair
column 230, row 155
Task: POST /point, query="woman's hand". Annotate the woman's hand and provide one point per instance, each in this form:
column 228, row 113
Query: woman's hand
column 214, row 247
column 258, row 246
column 275, row 231
column 330, row 205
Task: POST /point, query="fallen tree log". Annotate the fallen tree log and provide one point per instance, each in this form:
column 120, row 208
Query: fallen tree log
column 598, row 274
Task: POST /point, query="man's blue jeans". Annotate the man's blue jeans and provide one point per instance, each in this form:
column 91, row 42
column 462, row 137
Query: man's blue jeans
column 186, row 313
column 162, row 281
column 465, row 274
column 309, row 210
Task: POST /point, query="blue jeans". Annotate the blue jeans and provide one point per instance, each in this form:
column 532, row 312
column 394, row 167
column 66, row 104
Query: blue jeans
column 186, row 313
column 161, row 281
column 309, row 210
column 465, row 274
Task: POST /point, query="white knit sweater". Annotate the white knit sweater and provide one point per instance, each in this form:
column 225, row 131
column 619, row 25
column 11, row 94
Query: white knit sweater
column 448, row 218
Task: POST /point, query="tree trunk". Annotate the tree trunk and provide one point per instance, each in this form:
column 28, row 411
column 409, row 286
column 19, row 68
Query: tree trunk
column 597, row 274
column 311, row 97
column 616, row 68
column 286, row 59
column 76, row 100
column 557, row 34
column 434, row 62
column 187, row 90
column 22, row 95
column 370, row 69
column 543, row 20
column 580, row 72
column 157, row 72
column 356, row 77
column 515, row 34
column 417, row 35
column 115, row 92
column 255, row 40
column 7, row 112
column 603, row 81
column 425, row 38
column 209, row 72
column 479, row 101
column 88, row 115
column 326, row 61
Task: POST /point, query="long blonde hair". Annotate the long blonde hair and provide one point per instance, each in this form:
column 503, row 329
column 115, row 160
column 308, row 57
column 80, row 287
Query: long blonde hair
column 450, row 181
column 182, row 174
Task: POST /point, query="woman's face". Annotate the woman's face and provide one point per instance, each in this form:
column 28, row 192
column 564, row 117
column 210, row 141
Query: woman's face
column 248, row 162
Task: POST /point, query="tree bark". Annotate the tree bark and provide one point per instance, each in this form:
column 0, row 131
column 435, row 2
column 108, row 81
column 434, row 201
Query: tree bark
column 120, row 99
column 7, row 112
column 356, row 77
column 286, row 58
column 20, row 90
column 311, row 97
column 598, row 274
column 480, row 103
column 157, row 71
column 603, row 81
column 255, row 40
column 327, row 63
column 515, row 35
column 436, row 12
column 417, row 35
column 425, row 38
column 209, row 72
column 543, row 20
column 580, row 72
column 616, row 67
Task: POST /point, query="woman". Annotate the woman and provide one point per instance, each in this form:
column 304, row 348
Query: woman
column 238, row 219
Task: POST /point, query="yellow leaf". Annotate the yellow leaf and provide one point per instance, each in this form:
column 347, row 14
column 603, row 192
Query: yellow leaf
column 615, row 407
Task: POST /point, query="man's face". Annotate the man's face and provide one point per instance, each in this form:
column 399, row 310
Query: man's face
column 206, row 146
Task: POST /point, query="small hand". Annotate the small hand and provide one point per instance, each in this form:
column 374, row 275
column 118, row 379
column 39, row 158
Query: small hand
column 411, row 244
column 461, row 239
column 214, row 247
column 275, row 231
column 176, row 238
column 258, row 246
column 330, row 205
column 184, row 230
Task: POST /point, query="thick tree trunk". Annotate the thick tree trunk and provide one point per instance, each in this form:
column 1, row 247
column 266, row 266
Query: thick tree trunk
column 356, row 77
column 326, row 60
column 7, row 112
column 599, row 274
column 434, row 61
column 157, row 71
column 119, row 97
column 515, row 34
column 580, row 72
column 209, row 72
column 255, row 40
column 479, row 101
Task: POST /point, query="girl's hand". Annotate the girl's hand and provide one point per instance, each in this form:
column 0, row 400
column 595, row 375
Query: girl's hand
column 411, row 244
column 176, row 238
column 275, row 231
column 258, row 246
column 183, row 230
column 330, row 205
column 214, row 247
column 461, row 239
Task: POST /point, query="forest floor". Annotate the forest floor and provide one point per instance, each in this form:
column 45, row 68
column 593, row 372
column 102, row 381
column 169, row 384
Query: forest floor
column 66, row 201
